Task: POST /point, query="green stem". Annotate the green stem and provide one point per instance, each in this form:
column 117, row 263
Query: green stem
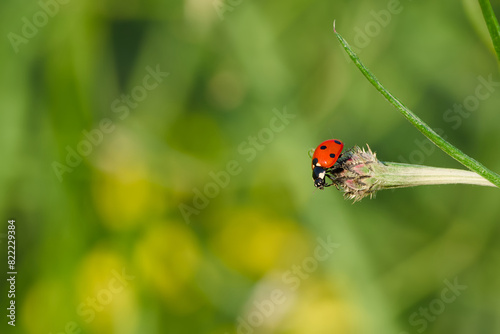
column 397, row 175
column 448, row 148
column 492, row 24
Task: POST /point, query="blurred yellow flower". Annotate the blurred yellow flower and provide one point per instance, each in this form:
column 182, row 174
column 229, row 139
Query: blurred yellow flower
column 167, row 257
column 318, row 310
column 122, row 190
column 254, row 242
column 106, row 293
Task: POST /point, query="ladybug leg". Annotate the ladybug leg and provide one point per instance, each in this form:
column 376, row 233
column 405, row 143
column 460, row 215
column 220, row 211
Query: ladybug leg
column 334, row 170
column 332, row 178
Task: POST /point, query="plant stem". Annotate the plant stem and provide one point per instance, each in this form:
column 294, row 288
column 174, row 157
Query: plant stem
column 359, row 174
column 448, row 148
column 492, row 24
column 398, row 175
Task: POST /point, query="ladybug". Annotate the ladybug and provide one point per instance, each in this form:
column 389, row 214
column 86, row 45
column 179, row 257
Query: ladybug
column 324, row 157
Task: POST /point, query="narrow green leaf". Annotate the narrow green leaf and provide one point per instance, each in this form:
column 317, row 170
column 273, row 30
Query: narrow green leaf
column 492, row 24
column 448, row 148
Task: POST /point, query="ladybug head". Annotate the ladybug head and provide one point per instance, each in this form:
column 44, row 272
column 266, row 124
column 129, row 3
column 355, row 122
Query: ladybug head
column 318, row 175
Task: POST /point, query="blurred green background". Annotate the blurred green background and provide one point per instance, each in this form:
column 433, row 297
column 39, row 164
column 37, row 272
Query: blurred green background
column 183, row 203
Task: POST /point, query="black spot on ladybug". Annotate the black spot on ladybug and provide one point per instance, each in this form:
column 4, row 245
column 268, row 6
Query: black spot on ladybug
column 315, row 161
column 323, row 147
column 332, row 155
column 338, row 142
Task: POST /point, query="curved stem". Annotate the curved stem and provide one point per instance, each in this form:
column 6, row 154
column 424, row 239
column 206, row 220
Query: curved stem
column 448, row 148
column 492, row 24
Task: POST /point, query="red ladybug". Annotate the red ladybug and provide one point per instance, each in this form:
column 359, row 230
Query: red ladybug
column 324, row 157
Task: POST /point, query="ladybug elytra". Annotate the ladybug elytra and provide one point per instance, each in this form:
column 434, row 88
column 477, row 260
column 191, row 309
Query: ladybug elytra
column 324, row 157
